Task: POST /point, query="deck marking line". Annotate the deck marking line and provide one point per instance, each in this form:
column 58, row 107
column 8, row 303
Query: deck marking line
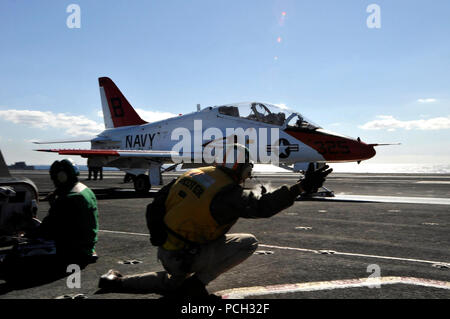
column 304, row 250
column 355, row 254
column 122, row 232
column 241, row 293
column 387, row 199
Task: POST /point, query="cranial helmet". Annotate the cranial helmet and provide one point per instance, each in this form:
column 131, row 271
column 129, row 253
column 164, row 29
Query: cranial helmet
column 237, row 158
column 64, row 173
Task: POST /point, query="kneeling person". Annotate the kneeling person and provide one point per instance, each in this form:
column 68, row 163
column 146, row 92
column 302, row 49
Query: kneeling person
column 189, row 220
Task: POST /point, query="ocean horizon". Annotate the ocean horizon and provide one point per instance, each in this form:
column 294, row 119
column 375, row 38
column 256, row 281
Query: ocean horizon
column 371, row 168
column 392, row 168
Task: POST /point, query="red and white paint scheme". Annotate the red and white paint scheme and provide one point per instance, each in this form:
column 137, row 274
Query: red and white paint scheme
column 135, row 146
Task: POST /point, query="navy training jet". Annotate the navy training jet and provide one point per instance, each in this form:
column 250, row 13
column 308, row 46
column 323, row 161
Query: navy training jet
column 141, row 148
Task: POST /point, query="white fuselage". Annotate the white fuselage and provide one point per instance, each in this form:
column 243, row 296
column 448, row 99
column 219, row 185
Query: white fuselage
column 204, row 126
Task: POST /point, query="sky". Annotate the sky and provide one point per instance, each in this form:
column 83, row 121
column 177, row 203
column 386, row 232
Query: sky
column 381, row 75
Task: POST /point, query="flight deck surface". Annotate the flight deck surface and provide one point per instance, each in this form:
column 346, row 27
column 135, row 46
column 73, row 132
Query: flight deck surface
column 383, row 236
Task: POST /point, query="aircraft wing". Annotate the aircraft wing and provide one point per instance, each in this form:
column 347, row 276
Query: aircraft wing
column 151, row 154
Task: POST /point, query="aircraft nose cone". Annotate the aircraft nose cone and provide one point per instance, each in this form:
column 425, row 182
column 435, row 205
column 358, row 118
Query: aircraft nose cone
column 360, row 151
column 334, row 147
column 363, row 151
column 368, row 151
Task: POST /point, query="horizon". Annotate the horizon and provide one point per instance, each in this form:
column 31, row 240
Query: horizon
column 374, row 168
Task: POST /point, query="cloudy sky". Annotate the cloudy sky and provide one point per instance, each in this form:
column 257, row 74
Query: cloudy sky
column 323, row 59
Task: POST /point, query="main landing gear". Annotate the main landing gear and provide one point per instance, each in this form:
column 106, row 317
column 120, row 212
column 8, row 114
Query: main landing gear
column 142, row 184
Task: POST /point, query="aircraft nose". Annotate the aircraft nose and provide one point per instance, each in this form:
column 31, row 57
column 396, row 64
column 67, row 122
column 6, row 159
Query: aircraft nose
column 334, row 147
column 346, row 150
column 367, row 151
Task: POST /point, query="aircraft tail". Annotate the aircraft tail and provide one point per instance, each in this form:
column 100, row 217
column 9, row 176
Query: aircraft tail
column 117, row 111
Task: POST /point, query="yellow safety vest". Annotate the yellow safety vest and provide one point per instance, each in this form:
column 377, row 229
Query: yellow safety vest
column 188, row 208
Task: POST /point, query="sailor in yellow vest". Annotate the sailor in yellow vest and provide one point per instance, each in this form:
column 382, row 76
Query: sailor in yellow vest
column 189, row 220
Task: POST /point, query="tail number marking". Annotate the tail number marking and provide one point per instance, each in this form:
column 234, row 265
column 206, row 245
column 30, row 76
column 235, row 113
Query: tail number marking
column 117, row 107
column 332, row 147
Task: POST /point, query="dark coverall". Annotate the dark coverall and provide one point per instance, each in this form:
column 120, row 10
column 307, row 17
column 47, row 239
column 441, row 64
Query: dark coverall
column 72, row 222
column 210, row 260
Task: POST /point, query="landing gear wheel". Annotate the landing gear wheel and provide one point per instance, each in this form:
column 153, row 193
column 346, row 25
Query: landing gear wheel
column 142, row 184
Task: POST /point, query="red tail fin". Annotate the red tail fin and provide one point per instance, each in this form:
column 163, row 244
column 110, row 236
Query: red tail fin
column 117, row 111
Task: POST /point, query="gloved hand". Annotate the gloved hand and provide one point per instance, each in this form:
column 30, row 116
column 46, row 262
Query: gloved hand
column 314, row 179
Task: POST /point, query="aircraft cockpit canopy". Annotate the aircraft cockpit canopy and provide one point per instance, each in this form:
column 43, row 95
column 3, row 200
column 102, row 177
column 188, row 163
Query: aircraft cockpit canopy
column 268, row 113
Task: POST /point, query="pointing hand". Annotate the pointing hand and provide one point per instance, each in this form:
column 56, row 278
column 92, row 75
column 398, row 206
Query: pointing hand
column 314, row 179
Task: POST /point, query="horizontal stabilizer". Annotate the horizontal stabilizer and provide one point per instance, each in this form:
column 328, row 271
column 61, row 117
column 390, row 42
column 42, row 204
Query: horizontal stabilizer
column 118, row 153
column 64, row 141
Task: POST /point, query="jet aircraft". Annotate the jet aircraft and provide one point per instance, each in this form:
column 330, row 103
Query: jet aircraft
column 141, row 148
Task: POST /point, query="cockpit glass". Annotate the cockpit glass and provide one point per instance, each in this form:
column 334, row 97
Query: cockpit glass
column 229, row 110
column 278, row 115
